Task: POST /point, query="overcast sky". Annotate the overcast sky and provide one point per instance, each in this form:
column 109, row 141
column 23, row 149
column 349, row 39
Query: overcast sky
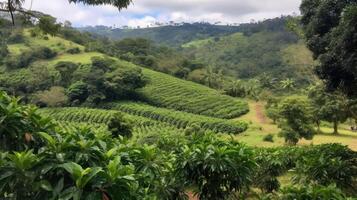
column 145, row 12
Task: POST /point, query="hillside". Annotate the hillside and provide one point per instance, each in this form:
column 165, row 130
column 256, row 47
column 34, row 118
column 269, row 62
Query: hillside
column 245, row 52
column 168, row 35
column 161, row 90
column 278, row 54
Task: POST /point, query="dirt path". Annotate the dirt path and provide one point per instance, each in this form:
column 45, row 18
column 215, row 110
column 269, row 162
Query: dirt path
column 260, row 115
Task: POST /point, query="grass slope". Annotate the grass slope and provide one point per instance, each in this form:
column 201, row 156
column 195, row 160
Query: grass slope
column 260, row 126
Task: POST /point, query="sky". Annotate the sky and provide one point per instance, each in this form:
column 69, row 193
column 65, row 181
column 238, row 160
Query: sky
column 145, row 12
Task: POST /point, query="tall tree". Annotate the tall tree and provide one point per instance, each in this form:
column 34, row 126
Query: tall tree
column 331, row 32
column 331, row 107
column 13, row 6
column 297, row 119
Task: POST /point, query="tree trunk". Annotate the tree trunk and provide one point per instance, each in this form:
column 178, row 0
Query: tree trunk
column 318, row 126
column 335, row 127
column 11, row 12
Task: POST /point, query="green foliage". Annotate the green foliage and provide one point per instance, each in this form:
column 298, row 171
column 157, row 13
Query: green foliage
column 16, row 37
column 75, row 50
column 166, row 91
column 167, row 35
column 66, row 70
column 19, row 124
column 297, row 117
column 268, row 138
column 272, row 163
column 217, row 169
column 48, row 25
column 123, row 81
column 330, row 30
column 331, row 107
column 180, row 119
column 54, row 97
column 119, row 126
column 29, row 56
column 117, row 3
column 81, row 164
column 77, row 92
column 309, row 192
column 328, row 164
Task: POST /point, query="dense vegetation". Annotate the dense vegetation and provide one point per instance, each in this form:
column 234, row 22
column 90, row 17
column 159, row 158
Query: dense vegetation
column 83, row 163
column 245, row 51
column 120, row 130
column 168, row 35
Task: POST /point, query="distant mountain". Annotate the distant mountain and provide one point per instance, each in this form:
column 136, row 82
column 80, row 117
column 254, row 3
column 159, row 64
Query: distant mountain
column 176, row 35
column 169, row 35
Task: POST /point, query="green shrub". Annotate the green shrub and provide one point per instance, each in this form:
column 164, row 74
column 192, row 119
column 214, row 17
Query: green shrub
column 315, row 192
column 16, row 37
column 217, row 170
column 119, row 126
column 75, row 50
column 27, row 57
column 268, row 138
column 328, row 164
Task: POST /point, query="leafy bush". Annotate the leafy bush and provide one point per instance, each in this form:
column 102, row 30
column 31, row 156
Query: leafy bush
column 311, row 193
column 297, row 119
column 16, row 37
column 217, row 169
column 75, row 50
column 79, row 164
column 27, row 57
column 268, row 138
column 328, row 164
column 19, row 124
column 66, row 70
column 78, row 92
column 119, row 126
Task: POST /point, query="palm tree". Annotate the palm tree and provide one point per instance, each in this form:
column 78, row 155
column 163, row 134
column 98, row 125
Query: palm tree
column 287, row 84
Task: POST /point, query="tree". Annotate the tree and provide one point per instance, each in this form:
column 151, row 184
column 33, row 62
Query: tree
column 331, row 107
column 66, row 70
column 327, row 164
column 331, row 32
column 78, row 92
column 48, row 25
column 287, row 84
column 217, row 170
column 13, row 6
column 123, row 82
column 297, row 121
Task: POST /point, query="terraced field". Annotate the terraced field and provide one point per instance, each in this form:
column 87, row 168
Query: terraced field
column 180, row 119
column 170, row 92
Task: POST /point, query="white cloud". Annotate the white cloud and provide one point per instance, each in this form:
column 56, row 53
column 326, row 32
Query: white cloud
column 144, row 12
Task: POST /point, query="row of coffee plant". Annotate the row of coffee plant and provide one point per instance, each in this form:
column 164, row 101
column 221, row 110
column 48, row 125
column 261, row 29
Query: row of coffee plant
column 41, row 161
column 180, row 119
column 167, row 91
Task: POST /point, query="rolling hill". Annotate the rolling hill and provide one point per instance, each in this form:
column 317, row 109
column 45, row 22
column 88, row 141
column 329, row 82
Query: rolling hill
column 162, row 90
column 168, row 35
